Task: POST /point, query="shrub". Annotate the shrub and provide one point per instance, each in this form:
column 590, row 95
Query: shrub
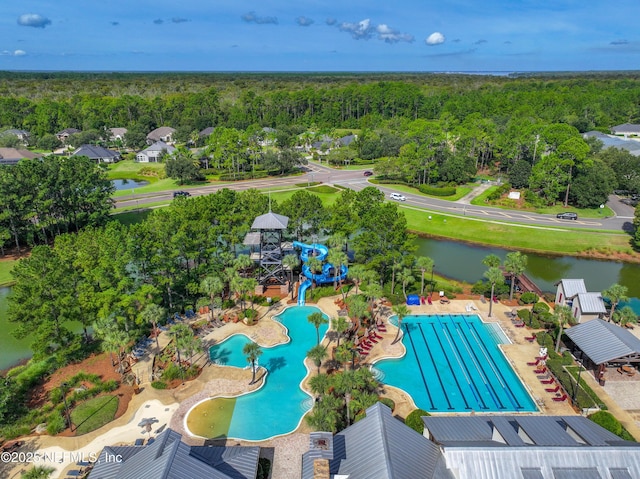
column 499, row 191
column 607, row 421
column 55, row 396
column 540, row 307
column 529, row 298
column 414, row 420
column 435, row 191
column 55, row 424
column 172, row 372
column 524, row 315
column 264, row 468
column 248, row 175
column 159, row 385
column 15, row 430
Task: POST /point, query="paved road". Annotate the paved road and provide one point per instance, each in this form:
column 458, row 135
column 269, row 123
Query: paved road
column 355, row 180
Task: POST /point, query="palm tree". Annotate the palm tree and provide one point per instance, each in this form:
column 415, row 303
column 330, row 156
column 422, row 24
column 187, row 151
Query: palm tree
column 401, row 311
column 153, row 313
column 337, row 240
column 425, row 265
column 337, row 258
column 515, row 263
column 290, row 262
column 38, row 472
column 562, row 315
column 319, row 384
column 494, row 275
column 317, row 354
column 373, row 290
column 315, row 265
column 252, row 351
column 243, row 262
column 625, row 316
column 357, row 273
column 317, row 319
column 405, row 277
column 491, row 260
column 616, row 293
column 212, row 286
column 357, row 309
column 340, row 325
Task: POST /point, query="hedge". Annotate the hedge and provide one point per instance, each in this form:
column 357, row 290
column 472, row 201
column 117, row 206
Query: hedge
column 248, row 175
column 414, row 420
column 435, row 191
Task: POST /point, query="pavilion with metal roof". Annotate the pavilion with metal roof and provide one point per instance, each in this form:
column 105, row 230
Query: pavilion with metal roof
column 603, row 342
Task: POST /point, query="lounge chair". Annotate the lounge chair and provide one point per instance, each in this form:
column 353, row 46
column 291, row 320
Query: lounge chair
column 372, row 338
column 541, row 370
column 531, row 338
column 139, row 442
column 495, row 299
column 429, row 301
column 534, row 363
column 561, row 398
column 519, row 325
column 553, row 390
column 377, row 335
column 483, row 300
column 548, row 381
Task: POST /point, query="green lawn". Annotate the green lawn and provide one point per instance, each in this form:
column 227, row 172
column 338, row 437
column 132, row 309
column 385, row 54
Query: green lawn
column 94, row 413
column 525, row 237
column 211, row 418
column 5, row 271
column 131, row 217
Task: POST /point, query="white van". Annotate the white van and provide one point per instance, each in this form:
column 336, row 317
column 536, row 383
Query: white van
column 397, row 197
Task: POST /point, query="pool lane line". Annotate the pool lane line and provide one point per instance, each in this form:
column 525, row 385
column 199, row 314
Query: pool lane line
column 424, row 381
column 453, row 373
column 463, row 366
column 476, row 362
column 426, row 344
column 495, row 367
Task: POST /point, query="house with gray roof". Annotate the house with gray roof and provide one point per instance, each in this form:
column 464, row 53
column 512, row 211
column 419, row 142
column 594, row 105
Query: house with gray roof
column 154, row 153
column 164, row 133
column 626, row 130
column 531, row 447
column 99, row 154
column 376, row 447
column 170, row 458
column 206, row 132
column 116, row 134
column 64, row 135
column 584, row 305
column 612, row 141
column 22, row 135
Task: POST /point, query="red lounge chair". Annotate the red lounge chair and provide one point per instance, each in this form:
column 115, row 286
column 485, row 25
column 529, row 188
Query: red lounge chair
column 372, row 338
column 495, row 299
column 382, row 328
column 534, row 363
column 541, row 370
column 377, row 335
column 561, row 398
column 541, row 358
column 364, row 353
column 519, row 325
column 530, row 338
column 553, row 390
column 429, row 300
column 547, row 381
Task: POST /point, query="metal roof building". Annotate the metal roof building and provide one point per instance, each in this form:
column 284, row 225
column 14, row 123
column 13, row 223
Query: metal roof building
column 270, row 221
column 170, row 458
column 611, row 141
column 605, row 342
column 97, row 153
column 532, row 447
column 376, row 447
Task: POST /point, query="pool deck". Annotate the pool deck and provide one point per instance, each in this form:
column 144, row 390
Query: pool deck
column 171, row 406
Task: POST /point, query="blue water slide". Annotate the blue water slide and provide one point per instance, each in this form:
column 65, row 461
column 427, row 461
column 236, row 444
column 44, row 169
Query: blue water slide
column 320, row 252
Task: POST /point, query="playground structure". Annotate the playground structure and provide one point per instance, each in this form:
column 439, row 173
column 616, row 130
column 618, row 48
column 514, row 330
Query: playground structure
column 326, row 276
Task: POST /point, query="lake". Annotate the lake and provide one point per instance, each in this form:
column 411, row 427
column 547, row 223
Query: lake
column 128, row 184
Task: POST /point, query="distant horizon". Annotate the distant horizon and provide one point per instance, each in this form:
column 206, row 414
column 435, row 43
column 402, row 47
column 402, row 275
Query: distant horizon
column 363, row 36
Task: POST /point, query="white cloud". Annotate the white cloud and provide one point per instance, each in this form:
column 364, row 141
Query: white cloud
column 251, row 17
column 436, row 38
column 304, row 21
column 364, row 30
column 15, row 53
column 19, row 53
column 33, row 20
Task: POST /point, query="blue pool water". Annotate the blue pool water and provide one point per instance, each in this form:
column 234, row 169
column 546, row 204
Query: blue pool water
column 453, row 364
column 279, row 405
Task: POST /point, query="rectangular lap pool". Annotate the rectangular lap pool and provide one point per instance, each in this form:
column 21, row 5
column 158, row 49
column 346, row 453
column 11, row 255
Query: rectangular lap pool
column 453, row 364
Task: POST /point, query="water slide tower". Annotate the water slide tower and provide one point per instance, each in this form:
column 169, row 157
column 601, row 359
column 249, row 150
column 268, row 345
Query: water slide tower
column 265, row 241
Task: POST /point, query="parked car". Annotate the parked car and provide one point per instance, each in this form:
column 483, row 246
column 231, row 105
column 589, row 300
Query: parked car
column 368, row 173
column 567, row 215
column 181, row 194
column 397, row 197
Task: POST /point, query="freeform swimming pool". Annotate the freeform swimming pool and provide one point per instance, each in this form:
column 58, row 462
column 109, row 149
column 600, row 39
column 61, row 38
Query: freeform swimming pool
column 453, row 364
column 278, row 406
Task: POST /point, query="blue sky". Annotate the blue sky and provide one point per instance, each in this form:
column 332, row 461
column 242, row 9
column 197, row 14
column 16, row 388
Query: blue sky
column 315, row 35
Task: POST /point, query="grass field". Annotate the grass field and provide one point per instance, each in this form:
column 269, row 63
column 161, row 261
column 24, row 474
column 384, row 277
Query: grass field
column 212, row 418
column 6, row 265
column 94, row 413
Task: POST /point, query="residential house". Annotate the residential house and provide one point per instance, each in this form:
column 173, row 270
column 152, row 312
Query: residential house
column 164, row 133
column 626, row 130
column 22, row 135
column 378, row 446
column 347, row 140
column 531, row 447
column 64, row 135
column 11, row 156
column 611, row 141
column 117, row 134
column 98, row 153
column 206, row 132
column 584, row 305
column 169, row 457
column 153, row 153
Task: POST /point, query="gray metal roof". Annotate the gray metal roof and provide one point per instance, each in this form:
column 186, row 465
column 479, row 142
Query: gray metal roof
column 610, row 141
column 252, row 238
column 603, row 341
column 518, row 431
column 170, row 458
column 159, row 146
column 207, row 131
column 591, row 303
column 96, row 152
column 270, row 221
column 531, row 473
column 626, row 128
column 619, row 473
column 161, row 132
column 576, row 473
column 381, row 447
column 572, row 287
column 68, row 131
